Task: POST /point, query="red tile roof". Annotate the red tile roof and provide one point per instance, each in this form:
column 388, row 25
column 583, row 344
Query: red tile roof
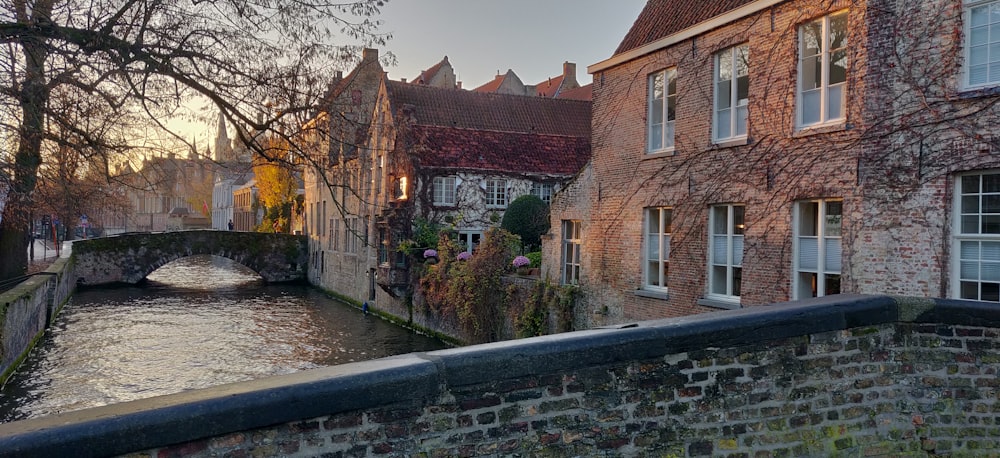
column 661, row 18
column 465, row 149
column 429, row 74
column 487, row 111
column 549, row 87
column 580, row 93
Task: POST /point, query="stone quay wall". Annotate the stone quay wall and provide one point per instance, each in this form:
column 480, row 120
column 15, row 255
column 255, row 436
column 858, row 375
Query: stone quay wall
column 848, row 375
column 27, row 310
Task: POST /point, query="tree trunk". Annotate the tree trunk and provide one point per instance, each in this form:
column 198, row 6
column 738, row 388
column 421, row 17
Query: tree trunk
column 34, row 97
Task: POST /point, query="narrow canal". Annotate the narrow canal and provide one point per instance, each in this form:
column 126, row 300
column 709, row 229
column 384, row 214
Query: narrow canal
column 198, row 322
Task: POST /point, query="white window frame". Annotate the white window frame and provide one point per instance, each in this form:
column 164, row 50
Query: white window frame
column 825, row 88
column 725, row 250
column 733, row 115
column 656, row 247
column 984, row 47
column 543, row 191
column 661, row 104
column 818, row 254
column 572, row 243
column 445, row 191
column 976, row 238
column 496, row 193
column 469, row 238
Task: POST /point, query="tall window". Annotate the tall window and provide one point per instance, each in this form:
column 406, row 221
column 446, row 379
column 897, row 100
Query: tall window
column 496, row 193
column 817, row 248
column 571, row 235
column 982, row 38
column 662, row 110
column 657, row 248
column 725, row 266
column 822, row 70
column 444, row 190
column 732, row 92
column 977, row 238
column 542, row 191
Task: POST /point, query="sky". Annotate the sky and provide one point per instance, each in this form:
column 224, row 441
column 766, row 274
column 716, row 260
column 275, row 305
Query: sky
column 483, row 37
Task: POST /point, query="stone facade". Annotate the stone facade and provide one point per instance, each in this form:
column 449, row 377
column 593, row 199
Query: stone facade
column 885, row 170
column 838, row 376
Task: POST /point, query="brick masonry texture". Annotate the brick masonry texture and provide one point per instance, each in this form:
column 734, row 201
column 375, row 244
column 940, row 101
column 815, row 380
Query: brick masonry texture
column 851, row 376
column 909, row 130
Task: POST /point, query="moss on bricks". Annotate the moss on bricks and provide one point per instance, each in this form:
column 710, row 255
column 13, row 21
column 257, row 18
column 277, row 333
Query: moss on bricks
column 910, row 308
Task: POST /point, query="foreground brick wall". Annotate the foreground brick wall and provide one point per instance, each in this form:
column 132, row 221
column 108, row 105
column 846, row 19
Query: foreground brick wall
column 855, row 376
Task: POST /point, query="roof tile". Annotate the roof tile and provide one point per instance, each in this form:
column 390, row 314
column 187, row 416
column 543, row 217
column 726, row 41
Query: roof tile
column 662, row 18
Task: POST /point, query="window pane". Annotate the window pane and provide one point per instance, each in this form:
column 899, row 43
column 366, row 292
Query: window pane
column 720, row 219
column 833, row 219
column 811, row 73
column 980, row 16
column 978, row 74
column 720, row 249
column 835, row 103
column 990, row 271
column 991, row 224
column 653, row 273
column 832, row 253
column 738, row 219
column 724, row 66
column 832, row 285
column 970, row 184
column 737, row 250
column 811, row 107
column 991, row 183
column 970, row 290
column 723, row 122
column 969, row 270
column 991, row 203
column 838, row 67
column 970, row 204
column 807, row 218
column 811, row 38
column 737, row 280
column 979, row 36
column 741, row 120
column 990, row 292
column 808, row 253
column 838, row 30
column 807, row 285
column 990, row 251
column 970, row 224
column 969, row 250
column 719, row 280
column 724, row 95
column 653, row 247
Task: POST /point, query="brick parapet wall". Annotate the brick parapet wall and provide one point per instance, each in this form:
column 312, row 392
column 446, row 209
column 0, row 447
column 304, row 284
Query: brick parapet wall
column 842, row 376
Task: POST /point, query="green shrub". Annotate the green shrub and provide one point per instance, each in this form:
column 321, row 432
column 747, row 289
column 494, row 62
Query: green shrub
column 527, row 217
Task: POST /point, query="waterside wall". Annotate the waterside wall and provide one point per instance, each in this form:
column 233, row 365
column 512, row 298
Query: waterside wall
column 27, row 309
column 836, row 376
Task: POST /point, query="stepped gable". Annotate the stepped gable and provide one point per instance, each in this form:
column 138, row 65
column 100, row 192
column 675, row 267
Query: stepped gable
column 661, row 18
column 486, row 111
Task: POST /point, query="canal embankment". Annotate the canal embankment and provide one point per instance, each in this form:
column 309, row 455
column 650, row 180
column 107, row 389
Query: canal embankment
column 27, row 309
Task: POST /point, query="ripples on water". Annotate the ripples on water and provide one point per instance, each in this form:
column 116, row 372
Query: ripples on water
column 199, row 322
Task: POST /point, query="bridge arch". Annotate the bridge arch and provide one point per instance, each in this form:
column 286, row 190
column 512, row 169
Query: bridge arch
column 129, row 258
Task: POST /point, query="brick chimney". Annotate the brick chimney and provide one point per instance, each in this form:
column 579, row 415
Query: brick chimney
column 569, row 75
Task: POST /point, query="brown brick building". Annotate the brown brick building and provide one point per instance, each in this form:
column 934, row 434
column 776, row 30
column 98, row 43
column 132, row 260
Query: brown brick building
column 747, row 152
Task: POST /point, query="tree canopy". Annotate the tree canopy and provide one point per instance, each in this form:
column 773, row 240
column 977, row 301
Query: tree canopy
column 104, row 76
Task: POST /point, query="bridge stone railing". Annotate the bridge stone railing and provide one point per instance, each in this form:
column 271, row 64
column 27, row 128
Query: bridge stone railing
column 837, row 376
column 129, row 258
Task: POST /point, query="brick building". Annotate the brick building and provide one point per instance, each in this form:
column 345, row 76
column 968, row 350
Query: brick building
column 747, row 152
column 393, row 152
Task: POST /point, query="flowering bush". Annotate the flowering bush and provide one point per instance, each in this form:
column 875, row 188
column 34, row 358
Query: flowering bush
column 430, row 253
column 464, row 256
column 521, row 261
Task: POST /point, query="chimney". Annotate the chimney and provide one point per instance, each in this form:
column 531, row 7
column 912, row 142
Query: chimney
column 369, row 55
column 402, row 80
column 458, row 85
column 569, row 75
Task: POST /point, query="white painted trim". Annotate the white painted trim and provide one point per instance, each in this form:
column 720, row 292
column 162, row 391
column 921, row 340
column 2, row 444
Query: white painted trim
column 685, row 34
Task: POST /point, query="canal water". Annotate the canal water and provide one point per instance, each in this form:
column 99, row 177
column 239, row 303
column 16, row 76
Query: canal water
column 198, row 322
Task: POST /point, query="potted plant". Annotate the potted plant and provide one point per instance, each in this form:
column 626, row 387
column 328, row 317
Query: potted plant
column 522, row 265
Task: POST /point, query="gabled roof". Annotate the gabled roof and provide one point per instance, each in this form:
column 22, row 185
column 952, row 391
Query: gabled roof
column 661, row 18
column 498, row 81
column 466, row 149
column 486, row 111
column 549, row 87
column 429, row 74
column 580, row 93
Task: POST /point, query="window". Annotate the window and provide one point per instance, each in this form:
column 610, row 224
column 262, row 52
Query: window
column 571, row 231
column 822, row 70
column 334, row 234
column 977, row 237
column 496, row 193
column 444, row 190
column 662, row 110
column 732, row 92
column 542, row 191
column 725, row 244
column 352, row 235
column 469, row 239
column 657, row 248
column 817, row 248
column 982, row 37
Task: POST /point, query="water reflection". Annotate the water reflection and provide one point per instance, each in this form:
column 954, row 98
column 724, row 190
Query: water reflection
column 199, row 322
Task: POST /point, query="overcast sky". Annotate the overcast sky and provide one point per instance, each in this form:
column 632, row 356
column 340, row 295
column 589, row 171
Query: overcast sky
column 482, row 37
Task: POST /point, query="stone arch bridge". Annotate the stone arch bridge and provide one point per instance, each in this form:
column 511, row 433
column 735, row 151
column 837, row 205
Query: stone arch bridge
column 129, row 258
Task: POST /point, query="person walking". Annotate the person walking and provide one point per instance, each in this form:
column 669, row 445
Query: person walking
column 230, row 224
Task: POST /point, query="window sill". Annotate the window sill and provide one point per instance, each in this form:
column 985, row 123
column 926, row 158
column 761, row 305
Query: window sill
column 816, row 129
column 659, row 153
column 662, row 295
column 731, row 142
column 976, row 92
column 718, row 304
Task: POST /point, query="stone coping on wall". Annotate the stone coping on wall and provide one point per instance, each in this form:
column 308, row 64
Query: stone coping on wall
column 183, row 417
